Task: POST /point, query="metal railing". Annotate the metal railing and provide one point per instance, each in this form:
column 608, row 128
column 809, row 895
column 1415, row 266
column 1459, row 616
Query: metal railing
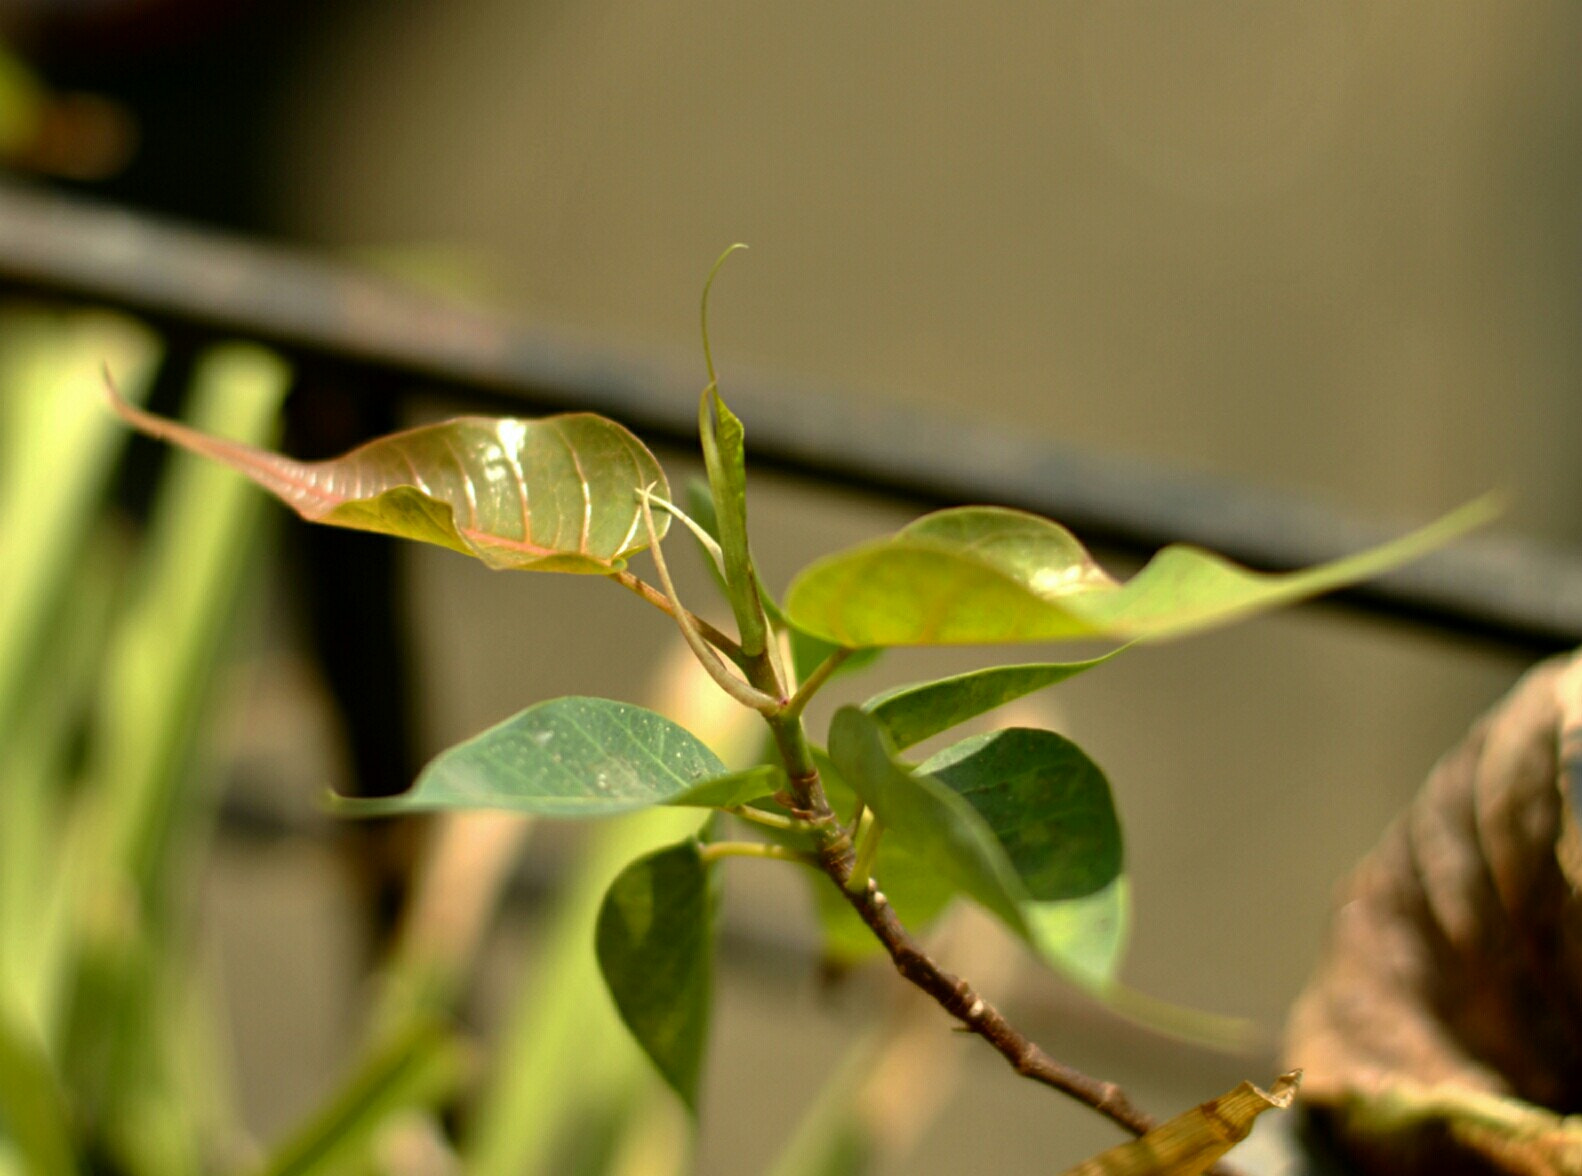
column 1517, row 594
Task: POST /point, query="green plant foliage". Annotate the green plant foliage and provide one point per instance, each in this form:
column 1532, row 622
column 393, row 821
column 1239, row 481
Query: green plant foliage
column 911, row 714
column 1020, row 820
column 911, row 880
column 724, row 457
column 550, row 495
column 33, row 1112
column 655, row 944
column 571, row 757
column 419, row 1066
column 916, row 808
column 988, row 575
column 1050, row 809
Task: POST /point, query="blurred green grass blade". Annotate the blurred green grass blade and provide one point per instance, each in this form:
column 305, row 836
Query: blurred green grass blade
column 197, row 560
column 33, row 1113
column 419, row 1066
column 34, row 799
column 147, row 810
column 58, row 445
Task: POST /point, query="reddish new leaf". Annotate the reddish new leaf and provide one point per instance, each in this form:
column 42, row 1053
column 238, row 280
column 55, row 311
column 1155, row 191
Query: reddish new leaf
column 556, row 494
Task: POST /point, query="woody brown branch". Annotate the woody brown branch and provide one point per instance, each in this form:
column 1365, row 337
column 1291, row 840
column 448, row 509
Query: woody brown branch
column 955, row 995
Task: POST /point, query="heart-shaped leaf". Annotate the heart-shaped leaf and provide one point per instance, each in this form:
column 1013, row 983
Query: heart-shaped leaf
column 655, row 944
column 1021, row 820
column 984, row 575
column 911, row 714
column 551, row 495
column 572, row 757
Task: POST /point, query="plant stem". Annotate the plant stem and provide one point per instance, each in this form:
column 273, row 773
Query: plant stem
column 767, row 819
column 755, row 849
column 816, row 679
column 646, row 591
column 953, row 994
column 867, row 851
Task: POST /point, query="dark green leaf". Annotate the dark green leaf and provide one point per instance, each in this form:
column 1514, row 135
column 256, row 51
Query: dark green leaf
column 1047, row 804
column 983, row 575
column 911, row 714
column 655, row 946
column 1019, row 820
column 553, row 495
column 569, row 757
column 1050, row 809
column 939, row 825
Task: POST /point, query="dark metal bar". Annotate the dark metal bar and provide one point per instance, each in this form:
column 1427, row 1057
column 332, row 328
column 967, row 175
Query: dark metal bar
column 1515, row 593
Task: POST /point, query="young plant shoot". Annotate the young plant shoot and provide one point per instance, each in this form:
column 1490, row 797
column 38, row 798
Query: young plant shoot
column 1020, row 821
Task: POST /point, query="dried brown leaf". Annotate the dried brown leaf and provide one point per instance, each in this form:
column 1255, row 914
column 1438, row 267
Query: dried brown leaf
column 1442, row 1029
column 1191, row 1142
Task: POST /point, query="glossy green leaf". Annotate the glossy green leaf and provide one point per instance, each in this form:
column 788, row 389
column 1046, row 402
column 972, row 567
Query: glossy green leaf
column 733, row 789
column 1020, row 820
column 655, row 945
column 984, row 575
column 552, row 495
column 568, row 757
column 911, row 714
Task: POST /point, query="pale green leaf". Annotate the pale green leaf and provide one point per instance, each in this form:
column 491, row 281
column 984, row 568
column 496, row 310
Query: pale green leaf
column 986, row 575
column 725, row 459
column 568, row 757
column 655, row 945
column 557, row 494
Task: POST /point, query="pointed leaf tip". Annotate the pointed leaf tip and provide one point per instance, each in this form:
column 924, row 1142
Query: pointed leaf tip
column 987, row 575
column 556, row 494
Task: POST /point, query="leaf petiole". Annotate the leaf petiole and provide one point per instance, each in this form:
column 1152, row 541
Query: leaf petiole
column 698, row 531
column 743, row 693
column 867, row 850
column 755, row 849
column 767, row 819
column 821, row 674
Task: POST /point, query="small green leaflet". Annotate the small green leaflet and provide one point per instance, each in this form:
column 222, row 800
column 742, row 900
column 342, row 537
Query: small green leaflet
column 987, row 575
column 654, row 941
column 575, row 757
column 557, row 494
column 911, row 714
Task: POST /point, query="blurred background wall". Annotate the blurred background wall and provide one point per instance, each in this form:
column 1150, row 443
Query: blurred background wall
column 1329, row 249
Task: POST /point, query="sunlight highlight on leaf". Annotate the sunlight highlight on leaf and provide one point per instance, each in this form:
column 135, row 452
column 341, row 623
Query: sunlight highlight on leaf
column 550, row 495
column 986, row 575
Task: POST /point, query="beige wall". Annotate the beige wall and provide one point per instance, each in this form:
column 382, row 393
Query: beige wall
column 1329, row 248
